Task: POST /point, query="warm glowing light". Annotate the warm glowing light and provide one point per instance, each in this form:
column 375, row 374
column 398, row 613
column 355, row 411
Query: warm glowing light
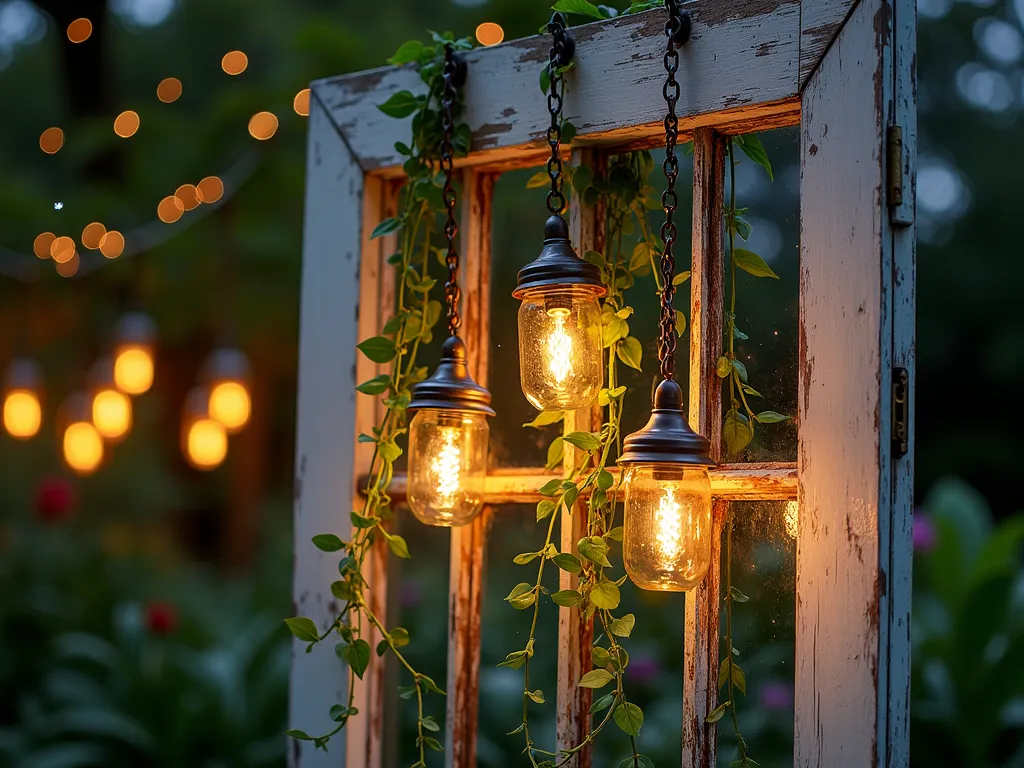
column 168, row 90
column 111, row 413
column 170, row 209
column 210, row 189
column 263, row 125
column 133, row 369
column 489, row 33
column 206, row 443
column 447, row 465
column 22, row 413
column 301, row 102
column 83, row 447
column 62, row 249
column 41, row 245
column 51, row 140
column 792, row 519
column 70, row 267
column 92, row 235
column 234, row 62
column 112, row 244
column 188, row 195
column 230, row 405
column 667, row 526
column 79, row 30
column 126, row 124
column 560, row 347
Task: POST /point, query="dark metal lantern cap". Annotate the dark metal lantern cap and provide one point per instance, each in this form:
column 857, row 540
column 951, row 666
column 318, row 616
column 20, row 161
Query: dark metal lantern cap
column 667, row 438
column 558, row 264
column 451, row 388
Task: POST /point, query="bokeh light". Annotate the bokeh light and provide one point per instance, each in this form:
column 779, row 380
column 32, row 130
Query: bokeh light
column 126, row 124
column 230, row 405
column 210, row 189
column 51, row 140
column 92, row 235
column 263, row 125
column 234, row 62
column 489, row 33
column 133, row 369
column 41, row 245
column 83, row 447
column 170, row 209
column 792, row 519
column 301, row 102
column 206, row 444
column 188, row 196
column 168, row 90
column 111, row 413
column 70, row 267
column 112, row 244
column 22, row 413
column 62, row 249
column 79, row 30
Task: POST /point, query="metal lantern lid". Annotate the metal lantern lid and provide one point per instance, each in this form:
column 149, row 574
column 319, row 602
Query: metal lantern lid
column 135, row 328
column 451, row 388
column 23, row 373
column 558, row 264
column 667, row 438
column 226, row 364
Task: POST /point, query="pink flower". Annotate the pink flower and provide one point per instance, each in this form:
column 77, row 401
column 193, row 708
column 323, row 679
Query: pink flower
column 161, row 618
column 644, row 670
column 55, row 499
column 776, row 695
column 925, row 534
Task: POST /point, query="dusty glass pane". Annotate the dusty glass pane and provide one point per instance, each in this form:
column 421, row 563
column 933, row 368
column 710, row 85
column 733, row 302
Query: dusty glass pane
column 764, row 571
column 767, row 310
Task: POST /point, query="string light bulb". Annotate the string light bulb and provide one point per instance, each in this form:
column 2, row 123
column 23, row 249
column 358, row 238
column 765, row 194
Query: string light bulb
column 204, row 440
column 111, row 408
column 22, row 410
column 81, row 442
column 227, row 375
column 560, row 360
column 134, row 336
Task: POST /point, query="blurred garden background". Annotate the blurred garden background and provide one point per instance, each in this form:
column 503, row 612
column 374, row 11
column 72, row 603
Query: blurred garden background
column 141, row 604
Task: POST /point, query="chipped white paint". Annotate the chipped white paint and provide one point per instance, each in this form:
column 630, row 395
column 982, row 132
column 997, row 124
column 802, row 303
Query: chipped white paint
column 819, row 24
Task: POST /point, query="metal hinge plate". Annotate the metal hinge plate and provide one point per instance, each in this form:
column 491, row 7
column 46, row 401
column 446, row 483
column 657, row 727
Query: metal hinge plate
column 894, row 177
column 900, row 412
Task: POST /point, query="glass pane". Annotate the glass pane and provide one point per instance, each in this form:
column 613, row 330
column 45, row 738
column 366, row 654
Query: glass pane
column 764, row 571
column 767, row 310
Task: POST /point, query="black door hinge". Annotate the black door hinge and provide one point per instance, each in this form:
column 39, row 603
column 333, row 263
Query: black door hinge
column 900, row 412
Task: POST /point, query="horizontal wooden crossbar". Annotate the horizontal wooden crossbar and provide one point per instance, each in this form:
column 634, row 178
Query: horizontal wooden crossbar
column 732, row 482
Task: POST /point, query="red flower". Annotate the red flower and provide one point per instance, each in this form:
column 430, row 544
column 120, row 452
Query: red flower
column 55, row 499
column 161, row 618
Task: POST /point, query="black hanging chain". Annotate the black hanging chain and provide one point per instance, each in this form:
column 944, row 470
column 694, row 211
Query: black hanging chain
column 452, row 293
column 677, row 30
column 562, row 48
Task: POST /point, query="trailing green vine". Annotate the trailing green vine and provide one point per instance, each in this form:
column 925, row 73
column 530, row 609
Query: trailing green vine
column 420, row 203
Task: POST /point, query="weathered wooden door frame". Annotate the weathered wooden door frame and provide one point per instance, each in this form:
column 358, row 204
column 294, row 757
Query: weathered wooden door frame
column 841, row 69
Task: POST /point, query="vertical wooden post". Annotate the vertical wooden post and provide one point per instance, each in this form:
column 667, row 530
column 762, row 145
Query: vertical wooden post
column 469, row 543
column 575, row 633
column 700, row 683
column 856, row 321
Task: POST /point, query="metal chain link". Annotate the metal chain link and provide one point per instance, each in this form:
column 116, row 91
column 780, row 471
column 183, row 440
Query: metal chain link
column 556, row 200
column 452, row 293
column 669, row 198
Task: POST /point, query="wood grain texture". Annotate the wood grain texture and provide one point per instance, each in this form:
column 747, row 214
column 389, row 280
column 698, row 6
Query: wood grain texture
column 746, row 54
column 848, row 632
column 469, row 543
column 820, row 22
column 700, row 689
column 326, row 422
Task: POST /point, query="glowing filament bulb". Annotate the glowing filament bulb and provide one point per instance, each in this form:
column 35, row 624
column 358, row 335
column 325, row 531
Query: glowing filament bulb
column 670, row 527
column 447, row 469
column 559, row 347
column 22, row 414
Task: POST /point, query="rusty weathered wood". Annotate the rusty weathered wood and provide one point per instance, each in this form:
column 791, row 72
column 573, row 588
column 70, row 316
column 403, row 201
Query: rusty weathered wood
column 469, row 543
column 746, row 54
column 700, row 689
column 854, row 502
column 820, row 22
column 764, row 481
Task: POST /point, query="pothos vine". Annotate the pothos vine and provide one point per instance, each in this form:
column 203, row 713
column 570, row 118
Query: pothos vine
column 626, row 196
